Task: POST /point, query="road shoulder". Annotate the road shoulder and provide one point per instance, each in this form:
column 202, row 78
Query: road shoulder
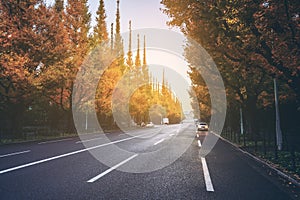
column 284, row 181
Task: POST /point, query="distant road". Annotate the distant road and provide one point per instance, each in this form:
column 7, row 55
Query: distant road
column 65, row 169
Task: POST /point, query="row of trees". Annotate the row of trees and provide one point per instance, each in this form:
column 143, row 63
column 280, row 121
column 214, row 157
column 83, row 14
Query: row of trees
column 42, row 50
column 251, row 42
column 124, row 81
column 127, row 85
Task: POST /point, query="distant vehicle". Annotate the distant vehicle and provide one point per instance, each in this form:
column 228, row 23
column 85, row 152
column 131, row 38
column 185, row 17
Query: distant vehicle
column 165, row 120
column 150, row 125
column 202, row 126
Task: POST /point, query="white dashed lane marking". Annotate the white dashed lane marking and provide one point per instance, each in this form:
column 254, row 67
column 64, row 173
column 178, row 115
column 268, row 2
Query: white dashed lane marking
column 156, row 143
column 111, row 169
column 207, row 179
column 13, row 154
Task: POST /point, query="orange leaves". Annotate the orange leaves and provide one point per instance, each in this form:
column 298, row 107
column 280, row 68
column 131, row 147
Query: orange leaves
column 106, row 86
column 13, row 66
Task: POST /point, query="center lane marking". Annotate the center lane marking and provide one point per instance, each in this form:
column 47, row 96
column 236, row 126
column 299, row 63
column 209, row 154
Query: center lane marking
column 156, row 143
column 67, row 154
column 208, row 183
column 199, row 143
column 13, row 154
column 207, row 179
column 111, row 169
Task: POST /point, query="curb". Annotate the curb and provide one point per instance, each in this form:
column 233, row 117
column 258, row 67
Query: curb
column 35, row 140
column 44, row 140
column 280, row 173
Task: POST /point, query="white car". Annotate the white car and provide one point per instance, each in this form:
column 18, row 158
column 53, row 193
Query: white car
column 150, row 125
column 202, row 126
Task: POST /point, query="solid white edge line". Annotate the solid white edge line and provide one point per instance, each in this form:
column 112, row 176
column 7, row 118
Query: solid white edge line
column 65, row 155
column 199, row 143
column 207, row 179
column 13, row 154
column 156, row 143
column 53, row 141
column 111, row 169
column 82, row 141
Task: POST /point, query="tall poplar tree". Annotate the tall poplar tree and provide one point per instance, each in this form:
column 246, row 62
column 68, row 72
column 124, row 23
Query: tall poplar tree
column 129, row 60
column 118, row 41
column 118, row 38
column 137, row 62
column 100, row 30
column 111, row 75
column 78, row 25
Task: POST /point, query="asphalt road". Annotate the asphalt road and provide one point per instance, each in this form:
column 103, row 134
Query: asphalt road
column 69, row 168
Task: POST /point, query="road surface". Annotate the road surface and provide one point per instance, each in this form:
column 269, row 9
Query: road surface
column 66, row 169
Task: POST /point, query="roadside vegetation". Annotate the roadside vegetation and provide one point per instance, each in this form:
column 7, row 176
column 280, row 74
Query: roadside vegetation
column 42, row 50
column 253, row 44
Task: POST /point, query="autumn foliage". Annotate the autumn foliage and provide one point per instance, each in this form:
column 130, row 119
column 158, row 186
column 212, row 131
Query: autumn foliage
column 252, row 43
column 44, row 47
